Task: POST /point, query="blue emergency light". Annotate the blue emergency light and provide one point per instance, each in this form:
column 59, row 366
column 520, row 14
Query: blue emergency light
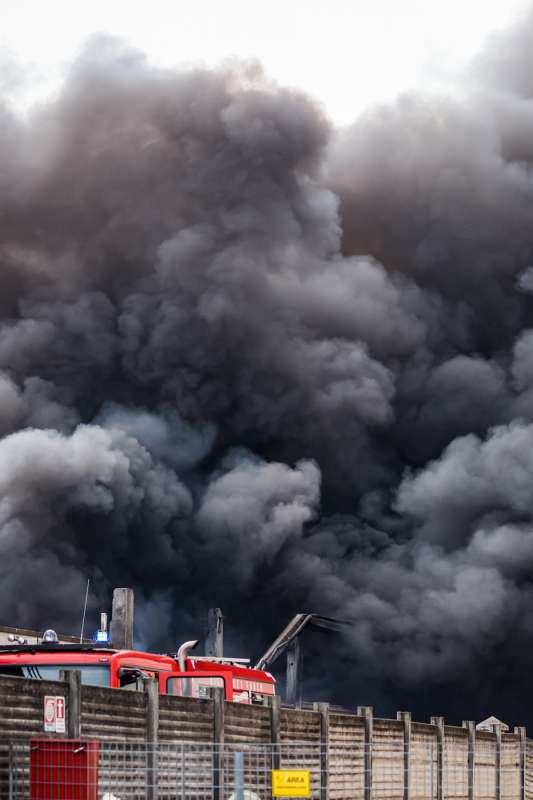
column 101, row 636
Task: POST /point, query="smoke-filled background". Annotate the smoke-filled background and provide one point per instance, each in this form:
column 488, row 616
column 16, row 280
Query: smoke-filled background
column 251, row 361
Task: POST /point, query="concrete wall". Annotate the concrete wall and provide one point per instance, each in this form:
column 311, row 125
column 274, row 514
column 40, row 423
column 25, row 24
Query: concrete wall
column 356, row 756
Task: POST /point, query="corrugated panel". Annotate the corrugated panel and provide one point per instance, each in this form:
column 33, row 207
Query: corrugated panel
column 23, row 705
column 529, row 770
column 302, row 727
column 485, row 766
column 423, row 761
column 257, row 764
column 347, row 729
column 184, row 719
column 455, row 763
column 186, row 771
column 123, row 766
column 109, row 714
column 22, row 702
column 346, row 757
column 387, row 760
column 510, row 772
column 247, row 724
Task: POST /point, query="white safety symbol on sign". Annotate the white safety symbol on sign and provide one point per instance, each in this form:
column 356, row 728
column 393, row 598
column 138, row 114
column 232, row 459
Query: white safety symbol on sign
column 54, row 714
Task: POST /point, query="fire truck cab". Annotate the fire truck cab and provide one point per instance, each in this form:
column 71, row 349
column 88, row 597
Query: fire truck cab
column 101, row 665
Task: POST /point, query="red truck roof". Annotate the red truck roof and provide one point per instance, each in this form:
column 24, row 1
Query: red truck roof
column 71, row 655
column 247, row 673
column 76, row 654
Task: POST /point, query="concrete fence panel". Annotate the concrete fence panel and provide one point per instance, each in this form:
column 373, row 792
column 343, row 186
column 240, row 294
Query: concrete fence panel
column 346, row 756
column 350, row 756
column 485, row 766
column 247, row 724
column 422, row 758
column 185, row 719
column 112, row 713
column 388, row 764
column 510, row 767
column 455, row 768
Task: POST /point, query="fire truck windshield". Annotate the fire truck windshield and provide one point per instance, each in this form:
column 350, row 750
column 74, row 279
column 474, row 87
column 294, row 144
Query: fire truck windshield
column 91, row 674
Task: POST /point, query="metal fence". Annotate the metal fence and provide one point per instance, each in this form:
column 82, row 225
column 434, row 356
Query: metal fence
column 45, row 769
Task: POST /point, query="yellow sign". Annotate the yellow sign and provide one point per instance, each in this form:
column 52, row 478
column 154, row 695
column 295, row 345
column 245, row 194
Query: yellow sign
column 291, row 783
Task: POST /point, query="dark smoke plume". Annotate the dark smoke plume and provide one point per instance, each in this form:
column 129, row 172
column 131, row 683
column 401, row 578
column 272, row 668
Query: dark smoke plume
column 251, row 361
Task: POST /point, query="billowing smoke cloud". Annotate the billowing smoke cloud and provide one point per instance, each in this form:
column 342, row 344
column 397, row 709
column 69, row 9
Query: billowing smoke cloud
column 251, row 361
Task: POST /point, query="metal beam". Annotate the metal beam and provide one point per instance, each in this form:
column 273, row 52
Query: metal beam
column 293, row 691
column 292, row 630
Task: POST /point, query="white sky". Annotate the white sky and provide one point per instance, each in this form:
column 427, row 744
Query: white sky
column 347, row 53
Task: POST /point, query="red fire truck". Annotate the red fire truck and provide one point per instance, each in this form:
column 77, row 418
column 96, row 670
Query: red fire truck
column 100, row 665
column 180, row 674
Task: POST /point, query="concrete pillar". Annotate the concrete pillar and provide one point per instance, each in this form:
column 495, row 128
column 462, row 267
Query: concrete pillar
column 323, row 710
column 238, row 775
column 521, row 733
column 439, row 723
column 405, row 717
column 275, row 731
column 214, row 635
column 470, row 725
column 151, row 688
column 293, row 692
column 218, row 743
column 498, row 732
column 368, row 713
column 72, row 677
column 122, row 619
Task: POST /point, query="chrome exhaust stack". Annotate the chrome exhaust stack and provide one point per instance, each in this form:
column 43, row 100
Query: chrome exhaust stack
column 183, row 652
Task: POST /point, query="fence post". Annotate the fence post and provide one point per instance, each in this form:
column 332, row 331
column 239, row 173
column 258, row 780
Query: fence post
column 323, row 710
column 238, row 775
column 151, row 688
column 470, row 725
column 218, row 742
column 72, row 677
column 405, row 717
column 368, row 713
column 521, row 733
column 275, row 731
column 439, row 724
column 11, row 770
column 498, row 733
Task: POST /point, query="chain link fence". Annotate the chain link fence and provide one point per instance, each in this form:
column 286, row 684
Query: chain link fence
column 90, row 770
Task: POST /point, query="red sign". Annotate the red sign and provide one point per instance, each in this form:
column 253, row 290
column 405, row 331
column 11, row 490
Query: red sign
column 54, row 714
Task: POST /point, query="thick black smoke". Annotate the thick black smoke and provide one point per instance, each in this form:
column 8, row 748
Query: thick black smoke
column 250, row 361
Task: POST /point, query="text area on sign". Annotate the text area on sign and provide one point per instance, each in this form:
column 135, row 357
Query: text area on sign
column 291, row 783
column 54, row 714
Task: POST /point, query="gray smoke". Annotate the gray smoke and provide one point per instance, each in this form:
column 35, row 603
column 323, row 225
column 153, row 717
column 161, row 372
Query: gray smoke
column 247, row 360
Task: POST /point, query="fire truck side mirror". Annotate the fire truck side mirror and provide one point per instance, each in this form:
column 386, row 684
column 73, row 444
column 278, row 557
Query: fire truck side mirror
column 131, row 678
